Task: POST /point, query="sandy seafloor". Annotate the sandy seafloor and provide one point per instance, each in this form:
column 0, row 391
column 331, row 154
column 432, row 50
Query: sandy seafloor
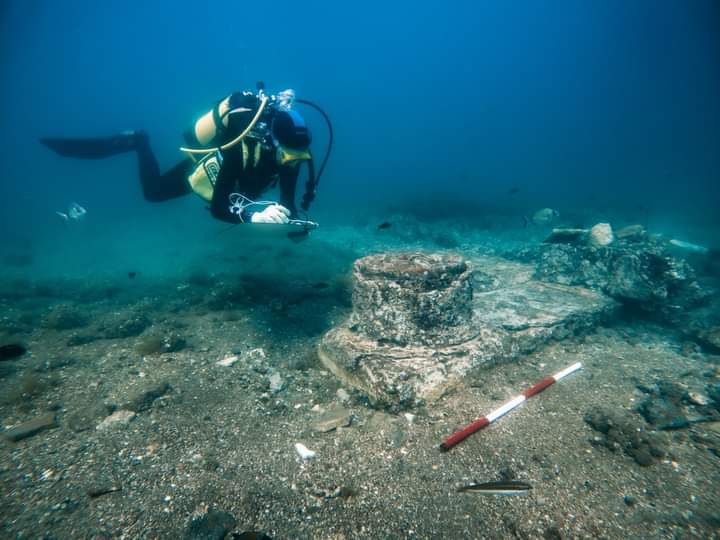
column 221, row 438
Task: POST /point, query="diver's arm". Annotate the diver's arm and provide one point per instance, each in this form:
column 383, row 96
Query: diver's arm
column 288, row 185
column 224, row 187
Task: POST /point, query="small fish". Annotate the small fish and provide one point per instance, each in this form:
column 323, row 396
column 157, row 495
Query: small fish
column 13, row 350
column 131, row 275
column 502, row 487
column 513, row 190
column 542, row 217
column 320, row 285
column 384, row 225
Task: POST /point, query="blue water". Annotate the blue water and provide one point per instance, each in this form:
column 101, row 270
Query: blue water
column 610, row 105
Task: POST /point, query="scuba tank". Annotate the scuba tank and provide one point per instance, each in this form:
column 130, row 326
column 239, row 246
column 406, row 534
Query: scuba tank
column 230, row 115
column 241, row 112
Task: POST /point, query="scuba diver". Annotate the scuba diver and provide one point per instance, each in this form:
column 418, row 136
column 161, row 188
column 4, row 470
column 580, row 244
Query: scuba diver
column 248, row 143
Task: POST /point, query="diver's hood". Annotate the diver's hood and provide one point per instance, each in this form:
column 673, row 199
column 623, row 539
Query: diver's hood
column 290, row 130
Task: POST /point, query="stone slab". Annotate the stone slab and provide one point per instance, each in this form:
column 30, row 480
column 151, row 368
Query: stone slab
column 513, row 315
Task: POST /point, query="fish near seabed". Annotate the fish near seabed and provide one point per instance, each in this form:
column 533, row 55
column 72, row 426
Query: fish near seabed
column 544, row 216
column 502, row 487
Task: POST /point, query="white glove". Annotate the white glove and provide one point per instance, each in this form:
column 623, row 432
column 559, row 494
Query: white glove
column 274, row 213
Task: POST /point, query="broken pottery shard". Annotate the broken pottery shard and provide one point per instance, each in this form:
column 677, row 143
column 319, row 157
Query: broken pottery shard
column 400, row 358
column 31, row 427
column 333, row 418
column 412, row 298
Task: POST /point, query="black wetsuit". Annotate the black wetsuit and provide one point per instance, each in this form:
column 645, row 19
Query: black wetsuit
column 250, row 181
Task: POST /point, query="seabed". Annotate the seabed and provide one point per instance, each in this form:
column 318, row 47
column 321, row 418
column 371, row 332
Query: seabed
column 169, row 404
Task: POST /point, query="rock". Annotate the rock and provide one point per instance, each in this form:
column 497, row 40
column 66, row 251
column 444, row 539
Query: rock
column 31, row 427
column 228, row 360
column 77, row 340
column 257, row 360
column 212, row 525
column 417, row 328
column 641, row 275
column 118, row 418
column 333, row 418
column 64, row 317
column 121, row 326
column 11, row 351
column 631, row 232
column 342, row 395
column 304, row 452
column 710, row 337
column 601, row 235
column 276, row 382
column 621, row 433
column 662, row 413
column 566, row 236
column 143, row 398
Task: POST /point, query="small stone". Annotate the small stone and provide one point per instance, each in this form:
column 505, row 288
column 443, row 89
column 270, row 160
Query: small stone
column 276, row 382
column 304, row 452
column 228, row 360
column 118, row 418
column 698, row 399
column 601, row 235
column 342, row 395
column 331, row 419
column 143, row 400
column 31, row 427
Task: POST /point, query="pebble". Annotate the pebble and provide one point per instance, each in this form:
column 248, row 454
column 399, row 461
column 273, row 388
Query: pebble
column 698, row 399
column 304, row 452
column 331, row 419
column 228, row 360
column 276, row 382
column 118, row 418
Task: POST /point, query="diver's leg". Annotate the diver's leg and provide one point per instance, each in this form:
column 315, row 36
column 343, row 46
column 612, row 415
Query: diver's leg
column 156, row 187
column 160, row 187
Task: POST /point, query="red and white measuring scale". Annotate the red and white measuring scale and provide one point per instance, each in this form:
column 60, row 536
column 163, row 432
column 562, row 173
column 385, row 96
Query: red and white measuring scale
column 488, row 419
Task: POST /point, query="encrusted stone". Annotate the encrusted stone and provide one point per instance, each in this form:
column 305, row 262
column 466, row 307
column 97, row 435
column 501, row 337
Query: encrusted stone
column 412, row 298
column 417, row 329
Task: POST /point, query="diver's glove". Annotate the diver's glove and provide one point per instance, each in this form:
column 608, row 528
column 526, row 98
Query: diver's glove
column 275, row 213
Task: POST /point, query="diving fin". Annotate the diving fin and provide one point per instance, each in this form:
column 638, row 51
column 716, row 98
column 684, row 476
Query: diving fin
column 94, row 148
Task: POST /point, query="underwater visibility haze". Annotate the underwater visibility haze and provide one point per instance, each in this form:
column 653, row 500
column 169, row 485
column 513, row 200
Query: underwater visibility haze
column 271, row 334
